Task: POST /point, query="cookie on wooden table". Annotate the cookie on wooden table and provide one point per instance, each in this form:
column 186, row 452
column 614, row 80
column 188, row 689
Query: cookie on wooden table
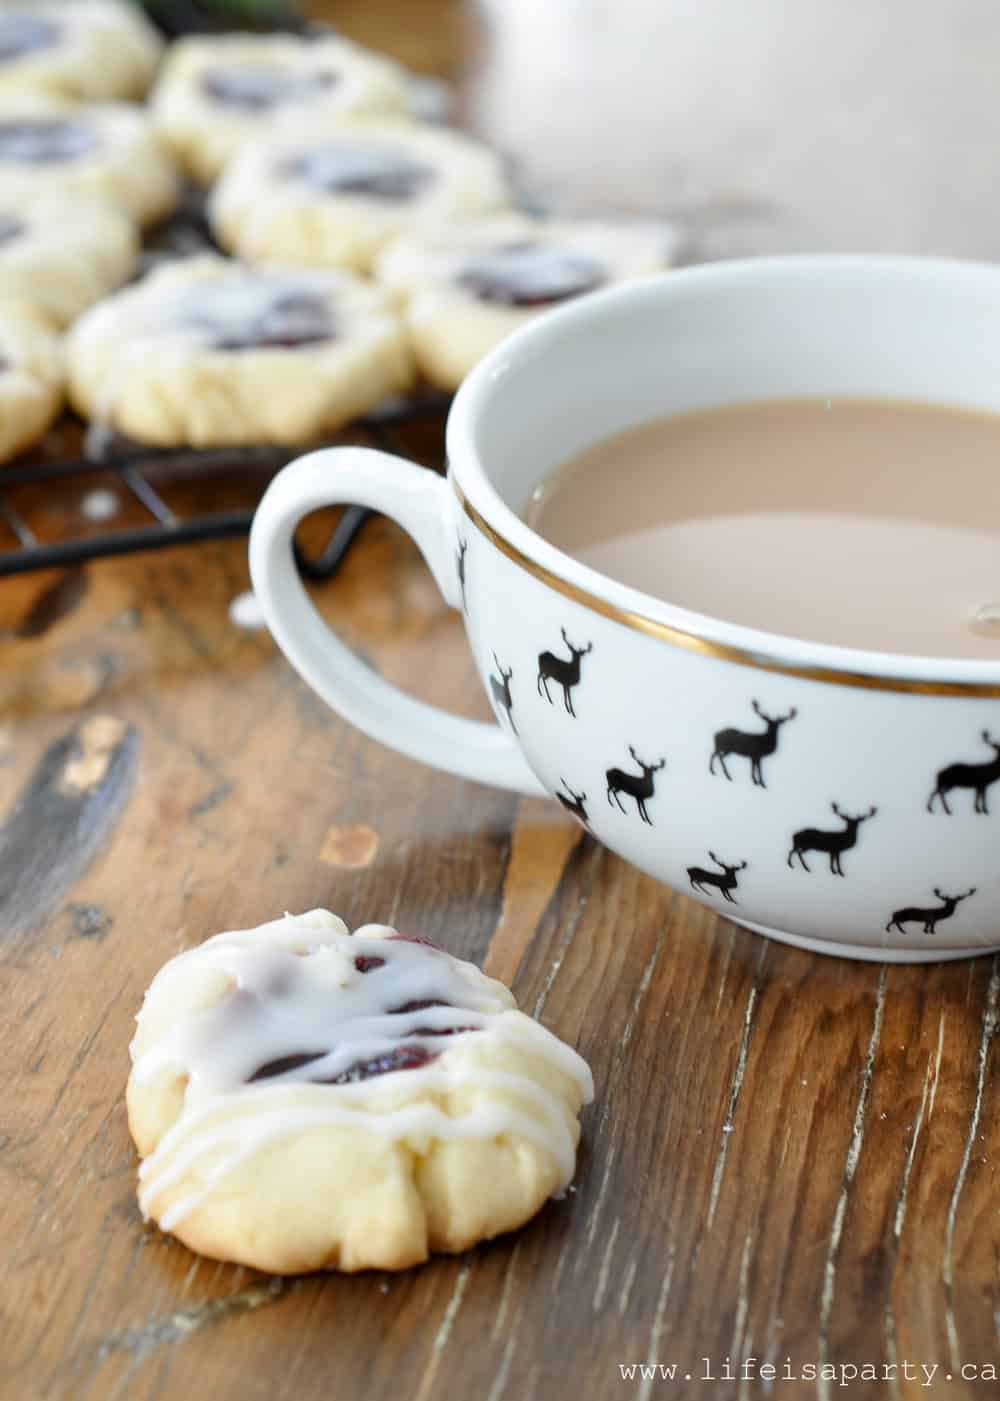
column 92, row 50
column 467, row 285
column 333, row 195
column 304, row 1098
column 107, row 151
column 31, row 376
column 62, row 253
column 206, row 352
column 217, row 93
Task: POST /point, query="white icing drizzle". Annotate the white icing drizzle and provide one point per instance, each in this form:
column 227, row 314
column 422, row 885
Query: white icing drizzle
column 295, row 990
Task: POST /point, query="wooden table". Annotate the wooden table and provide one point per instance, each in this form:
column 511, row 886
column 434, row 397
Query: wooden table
column 790, row 1159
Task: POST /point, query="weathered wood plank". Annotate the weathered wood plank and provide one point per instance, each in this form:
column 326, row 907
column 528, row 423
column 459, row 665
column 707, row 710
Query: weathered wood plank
column 788, row 1157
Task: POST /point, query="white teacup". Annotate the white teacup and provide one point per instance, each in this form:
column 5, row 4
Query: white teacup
column 892, row 741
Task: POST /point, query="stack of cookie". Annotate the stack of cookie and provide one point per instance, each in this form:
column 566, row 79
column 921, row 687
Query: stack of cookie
column 80, row 169
column 365, row 248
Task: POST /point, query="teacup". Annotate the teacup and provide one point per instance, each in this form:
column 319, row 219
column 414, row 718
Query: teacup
column 866, row 824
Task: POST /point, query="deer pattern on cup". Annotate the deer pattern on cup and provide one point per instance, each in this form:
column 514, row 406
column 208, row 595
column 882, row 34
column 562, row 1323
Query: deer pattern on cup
column 979, row 777
column 750, row 744
column 460, row 554
column 756, row 746
column 575, row 803
column 501, row 691
column 564, row 673
column 929, row 917
column 637, row 786
column 725, row 880
column 833, row 844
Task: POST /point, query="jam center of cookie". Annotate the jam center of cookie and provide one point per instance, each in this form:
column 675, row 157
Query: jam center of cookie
column 529, row 274
column 44, row 141
column 367, row 963
column 259, row 89
column 409, row 1054
column 245, row 318
column 349, row 170
column 406, row 1057
column 336, row 1012
column 25, row 34
column 399, row 1058
column 10, row 228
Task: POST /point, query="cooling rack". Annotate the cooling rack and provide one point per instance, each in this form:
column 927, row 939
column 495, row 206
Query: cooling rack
column 140, row 484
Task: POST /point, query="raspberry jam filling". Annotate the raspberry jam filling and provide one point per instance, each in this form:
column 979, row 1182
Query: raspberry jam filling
column 260, row 89
column 25, row 34
column 421, row 1004
column 283, row 1065
column 397, row 938
column 410, row 1052
column 350, row 170
column 248, row 317
column 365, row 964
column 406, row 1057
column 400, row 1058
column 44, row 141
column 418, row 1004
column 529, row 274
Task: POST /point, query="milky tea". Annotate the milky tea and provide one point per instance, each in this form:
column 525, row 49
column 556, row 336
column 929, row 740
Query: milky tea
column 865, row 523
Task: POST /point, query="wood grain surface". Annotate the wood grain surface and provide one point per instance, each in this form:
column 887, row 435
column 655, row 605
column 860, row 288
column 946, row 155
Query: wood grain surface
column 790, row 1159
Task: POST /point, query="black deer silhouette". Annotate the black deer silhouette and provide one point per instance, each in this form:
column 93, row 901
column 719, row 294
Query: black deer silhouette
column 501, row 691
column 566, row 674
column 463, row 546
column 833, row 843
column 575, row 803
column 928, row 918
column 637, row 786
column 977, row 776
column 749, row 745
column 725, row 883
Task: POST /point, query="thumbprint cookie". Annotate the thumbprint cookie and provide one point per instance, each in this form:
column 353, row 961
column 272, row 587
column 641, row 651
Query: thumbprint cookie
column 332, row 194
column 217, row 93
column 304, row 1098
column 86, row 50
column 465, row 286
column 204, row 352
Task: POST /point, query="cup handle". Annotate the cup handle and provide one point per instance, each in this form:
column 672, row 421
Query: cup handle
column 421, row 502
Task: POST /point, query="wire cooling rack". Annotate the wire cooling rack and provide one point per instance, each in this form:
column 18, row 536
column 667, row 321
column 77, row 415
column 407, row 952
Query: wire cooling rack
column 142, row 477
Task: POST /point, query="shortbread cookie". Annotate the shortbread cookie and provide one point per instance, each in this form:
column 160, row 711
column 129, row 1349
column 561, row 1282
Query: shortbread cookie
column 307, row 1099
column 93, row 50
column 108, row 152
column 467, row 285
column 30, row 377
column 63, row 254
column 215, row 94
column 333, row 195
column 206, row 352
